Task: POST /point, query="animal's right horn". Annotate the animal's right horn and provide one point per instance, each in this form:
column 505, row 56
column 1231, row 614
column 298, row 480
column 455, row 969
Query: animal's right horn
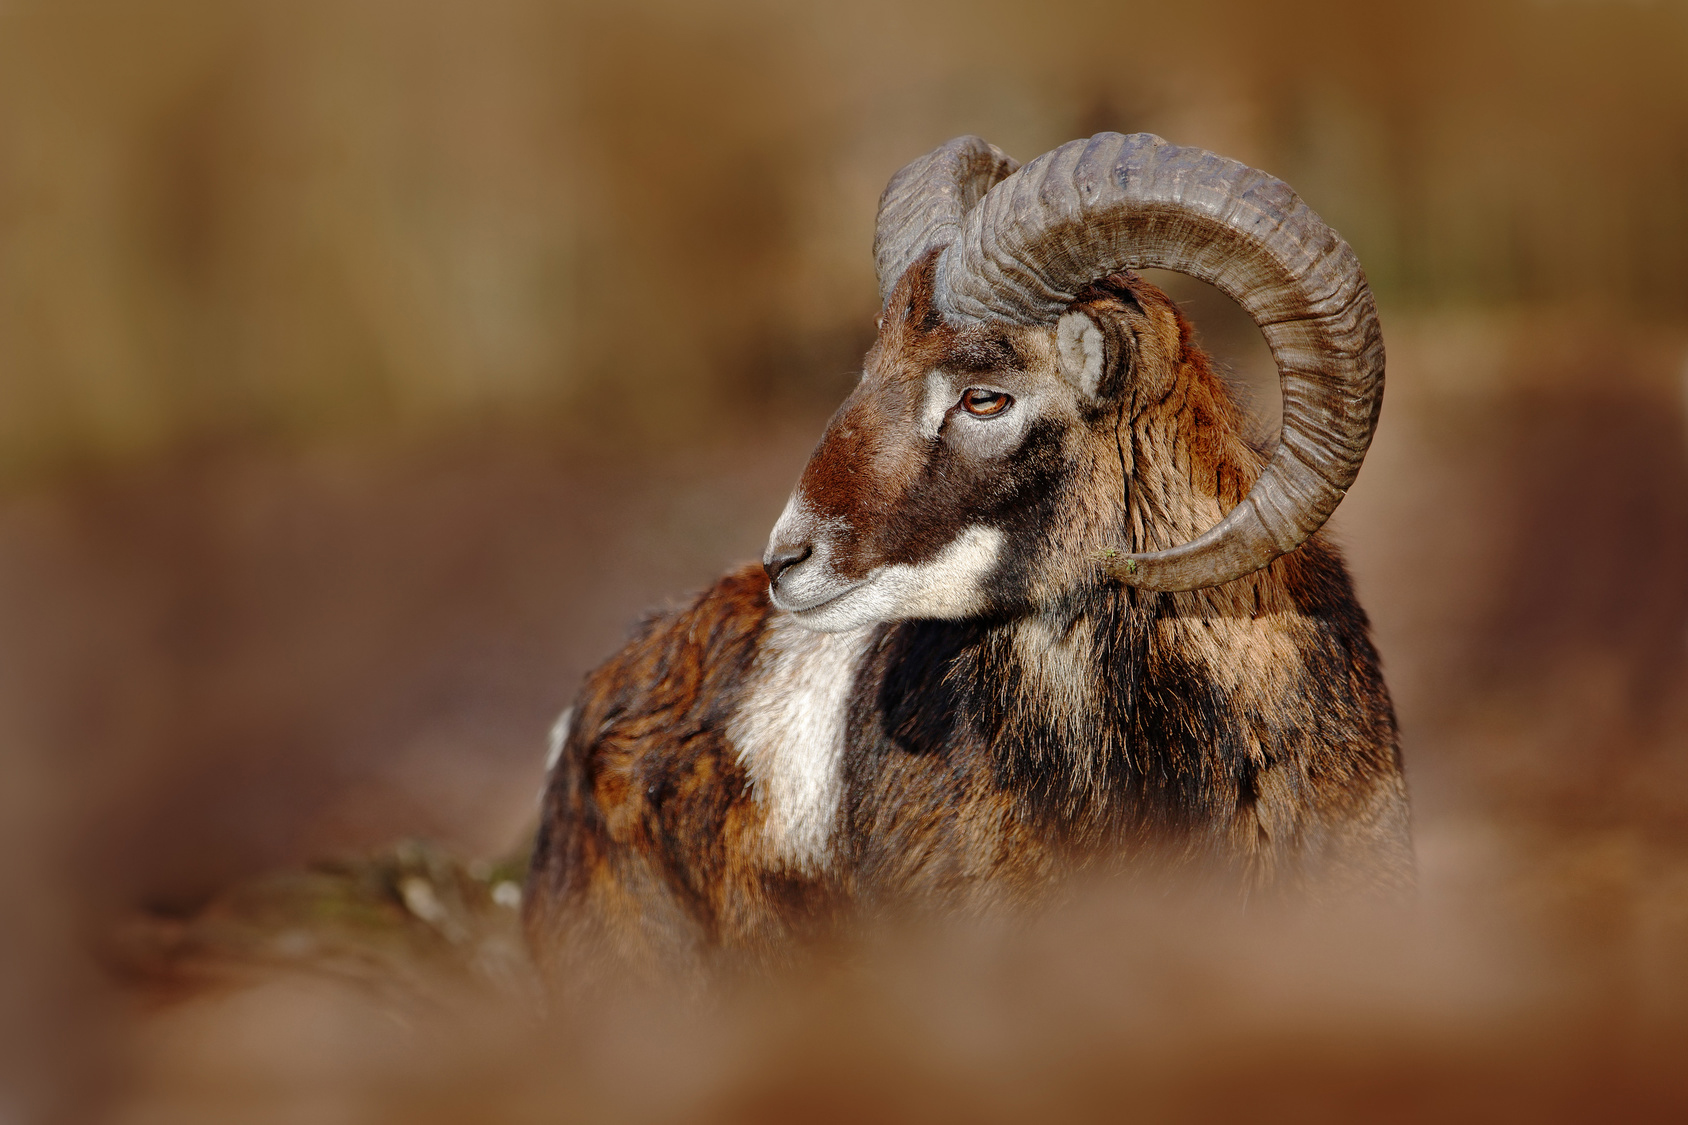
column 1091, row 208
column 924, row 203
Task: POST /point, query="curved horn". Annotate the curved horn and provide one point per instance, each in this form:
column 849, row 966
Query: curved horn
column 1092, row 208
column 924, row 203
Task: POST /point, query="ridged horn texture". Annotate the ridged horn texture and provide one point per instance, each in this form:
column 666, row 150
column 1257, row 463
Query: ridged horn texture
column 1092, row 208
column 924, row 204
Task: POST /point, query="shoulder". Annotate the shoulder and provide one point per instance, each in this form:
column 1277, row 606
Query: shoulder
column 655, row 710
column 684, row 657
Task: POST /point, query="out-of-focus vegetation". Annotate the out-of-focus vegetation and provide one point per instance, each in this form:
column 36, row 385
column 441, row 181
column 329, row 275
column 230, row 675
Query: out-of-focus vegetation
column 235, row 221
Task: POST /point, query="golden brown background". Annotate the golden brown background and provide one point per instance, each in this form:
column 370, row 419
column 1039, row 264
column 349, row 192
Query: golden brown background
column 366, row 368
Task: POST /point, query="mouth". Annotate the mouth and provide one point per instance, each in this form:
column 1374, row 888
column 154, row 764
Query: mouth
column 800, row 609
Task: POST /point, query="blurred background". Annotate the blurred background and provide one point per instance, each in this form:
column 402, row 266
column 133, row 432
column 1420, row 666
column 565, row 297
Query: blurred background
column 367, row 369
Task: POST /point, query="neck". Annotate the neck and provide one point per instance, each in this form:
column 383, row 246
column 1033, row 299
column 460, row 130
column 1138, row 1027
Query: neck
column 1113, row 715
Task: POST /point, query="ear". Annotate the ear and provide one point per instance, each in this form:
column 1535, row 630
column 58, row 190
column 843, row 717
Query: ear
column 1078, row 344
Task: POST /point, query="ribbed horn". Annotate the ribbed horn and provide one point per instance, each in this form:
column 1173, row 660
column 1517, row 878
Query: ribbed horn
column 1092, row 208
column 924, row 203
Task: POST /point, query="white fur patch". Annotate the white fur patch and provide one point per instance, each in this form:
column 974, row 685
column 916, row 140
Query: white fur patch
column 798, row 523
column 950, row 586
column 789, row 734
column 794, row 513
column 559, row 735
column 1079, row 344
column 554, row 750
column 794, row 516
column 940, row 396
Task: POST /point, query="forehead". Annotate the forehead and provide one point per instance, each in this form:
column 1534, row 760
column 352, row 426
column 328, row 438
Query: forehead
column 915, row 339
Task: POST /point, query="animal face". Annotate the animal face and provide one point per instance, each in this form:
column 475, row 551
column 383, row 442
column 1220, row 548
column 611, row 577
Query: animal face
column 973, row 471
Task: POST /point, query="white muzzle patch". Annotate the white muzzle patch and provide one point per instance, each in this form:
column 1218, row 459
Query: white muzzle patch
column 950, row 586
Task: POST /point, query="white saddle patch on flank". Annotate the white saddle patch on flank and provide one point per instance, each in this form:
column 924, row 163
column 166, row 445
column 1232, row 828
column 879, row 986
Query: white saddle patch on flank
column 789, row 733
column 559, row 737
column 554, row 752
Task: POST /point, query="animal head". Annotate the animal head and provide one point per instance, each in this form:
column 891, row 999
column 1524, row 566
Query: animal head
column 983, row 464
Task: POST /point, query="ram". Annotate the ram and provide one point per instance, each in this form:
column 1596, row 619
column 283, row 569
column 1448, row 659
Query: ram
column 1035, row 607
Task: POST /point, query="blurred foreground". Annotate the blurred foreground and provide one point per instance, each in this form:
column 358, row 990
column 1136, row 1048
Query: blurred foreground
column 1528, row 984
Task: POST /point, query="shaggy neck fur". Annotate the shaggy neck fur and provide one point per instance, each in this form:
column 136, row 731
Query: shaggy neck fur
column 1117, row 715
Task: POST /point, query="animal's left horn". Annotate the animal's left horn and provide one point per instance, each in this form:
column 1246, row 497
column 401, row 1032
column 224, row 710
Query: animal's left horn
column 1092, row 208
column 924, row 203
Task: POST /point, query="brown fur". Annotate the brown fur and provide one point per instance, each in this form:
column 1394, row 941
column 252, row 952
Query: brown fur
column 1075, row 724
column 649, row 851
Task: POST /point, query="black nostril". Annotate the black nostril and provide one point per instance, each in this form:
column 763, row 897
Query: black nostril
column 778, row 562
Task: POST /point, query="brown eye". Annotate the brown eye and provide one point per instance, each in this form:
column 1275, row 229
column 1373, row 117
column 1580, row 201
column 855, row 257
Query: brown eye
column 982, row 403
